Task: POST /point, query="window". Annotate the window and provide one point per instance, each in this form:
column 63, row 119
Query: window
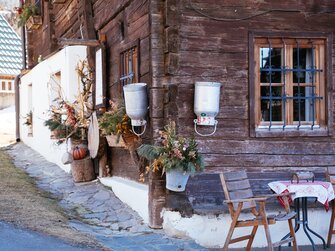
column 55, row 88
column 289, row 85
column 129, row 66
column 100, row 77
column 7, row 86
column 39, row 6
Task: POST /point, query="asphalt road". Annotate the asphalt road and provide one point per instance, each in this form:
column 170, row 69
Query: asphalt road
column 16, row 239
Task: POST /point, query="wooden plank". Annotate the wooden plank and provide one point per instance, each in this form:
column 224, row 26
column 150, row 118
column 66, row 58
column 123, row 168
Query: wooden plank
column 235, row 176
column 171, row 40
column 237, row 185
column 122, row 165
column 87, row 42
column 172, row 63
column 261, row 160
column 279, row 147
column 171, row 17
column 145, row 56
column 108, row 10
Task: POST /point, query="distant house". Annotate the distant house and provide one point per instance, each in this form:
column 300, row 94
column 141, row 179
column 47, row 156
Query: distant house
column 10, row 62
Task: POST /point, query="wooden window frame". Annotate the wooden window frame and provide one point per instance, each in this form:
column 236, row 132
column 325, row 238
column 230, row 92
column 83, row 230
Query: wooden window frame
column 100, row 86
column 326, row 112
column 10, row 86
column 124, row 64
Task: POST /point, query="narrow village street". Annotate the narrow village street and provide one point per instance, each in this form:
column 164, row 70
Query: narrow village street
column 40, row 201
column 93, row 217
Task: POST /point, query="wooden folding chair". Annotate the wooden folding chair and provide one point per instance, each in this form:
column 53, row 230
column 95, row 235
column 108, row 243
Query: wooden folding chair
column 330, row 175
column 239, row 197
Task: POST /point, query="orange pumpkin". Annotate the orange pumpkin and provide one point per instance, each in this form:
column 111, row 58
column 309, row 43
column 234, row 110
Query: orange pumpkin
column 79, row 152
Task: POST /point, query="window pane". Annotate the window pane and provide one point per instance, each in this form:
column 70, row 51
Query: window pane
column 303, row 105
column 277, row 91
column 271, row 62
column 128, row 69
column 276, row 110
column 302, row 60
column 275, row 101
column 3, row 87
column 9, row 86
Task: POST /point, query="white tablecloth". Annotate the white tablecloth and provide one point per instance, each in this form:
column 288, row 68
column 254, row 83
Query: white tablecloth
column 323, row 191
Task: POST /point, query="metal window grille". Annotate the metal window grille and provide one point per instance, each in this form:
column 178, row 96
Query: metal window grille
column 284, row 70
column 128, row 66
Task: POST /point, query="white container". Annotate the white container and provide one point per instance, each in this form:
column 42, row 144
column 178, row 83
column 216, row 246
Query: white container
column 206, row 102
column 136, row 102
column 176, row 180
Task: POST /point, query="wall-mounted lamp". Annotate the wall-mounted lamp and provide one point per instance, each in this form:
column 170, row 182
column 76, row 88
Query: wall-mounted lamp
column 136, row 102
column 206, row 104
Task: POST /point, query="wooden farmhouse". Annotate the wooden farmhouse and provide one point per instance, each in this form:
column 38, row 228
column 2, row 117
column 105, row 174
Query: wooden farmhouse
column 275, row 63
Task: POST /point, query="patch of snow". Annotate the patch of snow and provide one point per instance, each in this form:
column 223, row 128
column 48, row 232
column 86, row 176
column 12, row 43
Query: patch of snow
column 7, row 125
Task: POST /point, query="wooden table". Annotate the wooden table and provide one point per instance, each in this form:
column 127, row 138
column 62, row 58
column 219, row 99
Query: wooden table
column 322, row 191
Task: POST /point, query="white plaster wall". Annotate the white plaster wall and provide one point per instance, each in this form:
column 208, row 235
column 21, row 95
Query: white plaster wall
column 6, row 100
column 134, row 194
column 66, row 62
column 210, row 231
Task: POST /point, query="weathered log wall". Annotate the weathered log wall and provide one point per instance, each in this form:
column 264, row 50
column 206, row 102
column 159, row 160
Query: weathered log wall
column 59, row 21
column 186, row 41
column 109, row 16
column 208, row 41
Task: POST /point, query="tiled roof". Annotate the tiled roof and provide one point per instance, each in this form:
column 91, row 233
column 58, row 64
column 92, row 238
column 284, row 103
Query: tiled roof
column 10, row 49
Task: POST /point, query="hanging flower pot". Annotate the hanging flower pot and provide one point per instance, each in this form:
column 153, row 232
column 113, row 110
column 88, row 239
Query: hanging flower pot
column 115, row 141
column 178, row 157
column 176, row 180
column 34, row 22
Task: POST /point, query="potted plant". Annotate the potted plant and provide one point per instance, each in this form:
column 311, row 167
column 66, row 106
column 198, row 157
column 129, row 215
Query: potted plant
column 29, row 15
column 178, row 157
column 29, row 122
column 115, row 126
column 29, row 119
column 56, row 126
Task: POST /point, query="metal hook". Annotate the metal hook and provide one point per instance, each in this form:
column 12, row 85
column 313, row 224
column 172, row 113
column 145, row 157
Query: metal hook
column 139, row 134
column 195, row 129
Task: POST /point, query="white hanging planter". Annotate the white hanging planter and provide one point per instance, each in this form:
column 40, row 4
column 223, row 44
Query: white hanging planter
column 176, row 180
column 114, row 141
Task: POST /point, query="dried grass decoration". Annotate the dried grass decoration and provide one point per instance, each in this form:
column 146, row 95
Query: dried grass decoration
column 71, row 119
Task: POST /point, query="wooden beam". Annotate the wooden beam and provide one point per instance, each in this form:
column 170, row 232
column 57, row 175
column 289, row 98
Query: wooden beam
column 75, row 41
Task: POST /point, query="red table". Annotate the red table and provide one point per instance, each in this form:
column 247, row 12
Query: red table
column 322, row 191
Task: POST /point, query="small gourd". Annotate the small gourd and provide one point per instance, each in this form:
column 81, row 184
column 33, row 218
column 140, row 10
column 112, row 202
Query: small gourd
column 79, row 152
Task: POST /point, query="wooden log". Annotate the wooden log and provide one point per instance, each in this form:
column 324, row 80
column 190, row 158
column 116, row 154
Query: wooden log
column 157, row 198
column 171, row 63
column 82, row 170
